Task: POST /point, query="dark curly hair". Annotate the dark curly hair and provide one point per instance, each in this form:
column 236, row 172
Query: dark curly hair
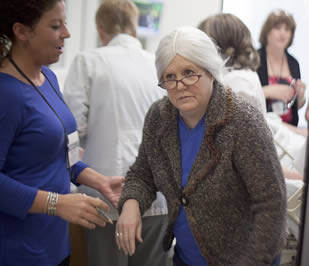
column 27, row 12
column 234, row 40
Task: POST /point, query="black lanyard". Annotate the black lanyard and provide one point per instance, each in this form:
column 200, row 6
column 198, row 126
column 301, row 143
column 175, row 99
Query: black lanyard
column 44, row 98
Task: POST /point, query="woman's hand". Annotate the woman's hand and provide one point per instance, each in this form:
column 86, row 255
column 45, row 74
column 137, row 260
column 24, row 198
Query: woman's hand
column 81, row 209
column 129, row 227
column 111, row 188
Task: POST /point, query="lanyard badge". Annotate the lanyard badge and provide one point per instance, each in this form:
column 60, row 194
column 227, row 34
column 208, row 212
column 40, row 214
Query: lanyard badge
column 73, row 148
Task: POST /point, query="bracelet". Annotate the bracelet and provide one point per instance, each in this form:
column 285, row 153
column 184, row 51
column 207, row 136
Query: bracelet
column 46, row 203
column 51, row 203
column 51, row 209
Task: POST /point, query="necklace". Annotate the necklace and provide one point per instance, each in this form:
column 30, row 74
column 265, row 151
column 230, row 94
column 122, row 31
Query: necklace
column 271, row 67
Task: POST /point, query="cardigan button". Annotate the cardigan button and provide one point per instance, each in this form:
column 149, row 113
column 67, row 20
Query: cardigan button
column 184, row 201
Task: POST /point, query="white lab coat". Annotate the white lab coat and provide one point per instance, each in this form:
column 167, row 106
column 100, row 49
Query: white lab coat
column 246, row 83
column 109, row 91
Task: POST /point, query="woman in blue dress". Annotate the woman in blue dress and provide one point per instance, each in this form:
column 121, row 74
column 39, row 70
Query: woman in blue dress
column 39, row 151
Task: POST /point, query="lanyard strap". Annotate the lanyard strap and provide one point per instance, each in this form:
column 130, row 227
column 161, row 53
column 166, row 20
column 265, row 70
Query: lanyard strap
column 44, row 98
column 37, row 89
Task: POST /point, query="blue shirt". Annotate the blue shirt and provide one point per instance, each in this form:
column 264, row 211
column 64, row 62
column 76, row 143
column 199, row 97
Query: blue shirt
column 190, row 141
column 32, row 157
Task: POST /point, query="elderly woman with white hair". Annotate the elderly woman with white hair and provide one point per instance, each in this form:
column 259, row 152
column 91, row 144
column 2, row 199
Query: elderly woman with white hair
column 212, row 156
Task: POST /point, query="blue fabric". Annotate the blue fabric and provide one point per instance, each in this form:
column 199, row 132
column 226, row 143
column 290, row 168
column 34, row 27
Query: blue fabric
column 276, row 261
column 32, row 157
column 190, row 141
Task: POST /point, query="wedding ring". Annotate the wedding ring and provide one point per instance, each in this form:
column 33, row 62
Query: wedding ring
column 118, row 234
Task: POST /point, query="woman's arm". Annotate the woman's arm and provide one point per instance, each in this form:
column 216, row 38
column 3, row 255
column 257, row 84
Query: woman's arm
column 138, row 194
column 129, row 227
column 300, row 88
column 79, row 208
column 74, row 208
column 16, row 198
column 278, row 91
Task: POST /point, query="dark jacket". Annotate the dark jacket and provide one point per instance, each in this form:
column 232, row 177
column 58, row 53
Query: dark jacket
column 295, row 72
column 235, row 199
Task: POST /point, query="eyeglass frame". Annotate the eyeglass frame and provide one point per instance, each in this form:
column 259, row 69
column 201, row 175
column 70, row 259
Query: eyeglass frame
column 160, row 84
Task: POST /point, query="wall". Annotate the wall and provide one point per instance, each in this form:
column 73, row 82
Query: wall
column 178, row 13
column 80, row 22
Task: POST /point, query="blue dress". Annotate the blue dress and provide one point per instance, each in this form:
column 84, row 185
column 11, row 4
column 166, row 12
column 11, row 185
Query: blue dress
column 32, row 157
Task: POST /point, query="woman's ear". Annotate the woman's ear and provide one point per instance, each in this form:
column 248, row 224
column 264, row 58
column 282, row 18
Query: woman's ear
column 21, row 31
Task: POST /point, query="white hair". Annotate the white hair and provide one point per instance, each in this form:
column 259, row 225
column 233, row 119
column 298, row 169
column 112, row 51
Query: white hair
column 195, row 46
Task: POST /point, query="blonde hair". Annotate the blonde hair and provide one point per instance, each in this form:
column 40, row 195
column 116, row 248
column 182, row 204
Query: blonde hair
column 234, row 40
column 195, row 46
column 274, row 19
column 117, row 16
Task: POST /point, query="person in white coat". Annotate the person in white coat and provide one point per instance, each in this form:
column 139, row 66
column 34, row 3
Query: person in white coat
column 109, row 89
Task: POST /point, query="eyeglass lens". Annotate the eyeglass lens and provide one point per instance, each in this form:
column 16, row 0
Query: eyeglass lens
column 189, row 80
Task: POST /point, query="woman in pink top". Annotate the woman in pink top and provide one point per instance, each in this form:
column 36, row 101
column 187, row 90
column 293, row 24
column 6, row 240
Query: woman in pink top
column 279, row 72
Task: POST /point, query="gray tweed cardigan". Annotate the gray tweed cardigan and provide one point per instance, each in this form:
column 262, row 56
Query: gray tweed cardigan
column 235, row 199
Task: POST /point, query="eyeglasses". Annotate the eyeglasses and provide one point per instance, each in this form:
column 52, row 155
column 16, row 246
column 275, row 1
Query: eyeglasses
column 173, row 83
